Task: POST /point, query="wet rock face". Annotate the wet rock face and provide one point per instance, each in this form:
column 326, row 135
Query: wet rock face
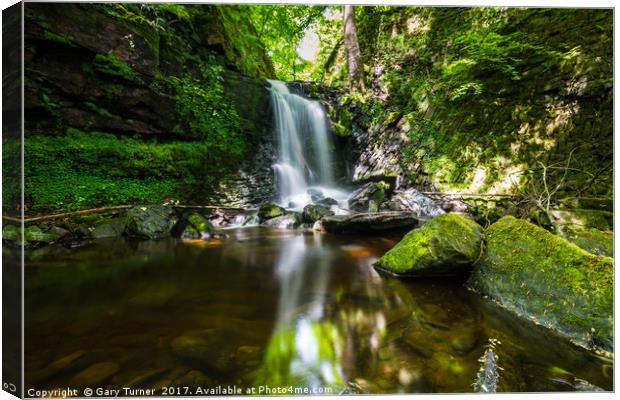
column 545, row 278
column 368, row 223
column 289, row 220
column 447, row 245
column 415, row 202
column 368, row 197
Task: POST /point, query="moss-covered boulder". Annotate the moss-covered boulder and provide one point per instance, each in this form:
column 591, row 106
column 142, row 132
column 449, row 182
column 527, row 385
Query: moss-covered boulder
column 197, row 227
column 11, row 233
column 549, row 280
column 368, row 197
column 313, row 212
column 268, row 210
column 110, row 228
column 286, row 221
column 150, row 222
column 34, row 234
column 447, row 245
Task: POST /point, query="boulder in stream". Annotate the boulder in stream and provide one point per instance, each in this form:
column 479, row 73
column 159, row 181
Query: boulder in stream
column 268, row 211
column 368, row 197
column 368, row 223
column 110, row 228
column 289, row 220
column 413, row 201
column 314, row 212
column 545, row 278
column 150, row 222
column 447, row 245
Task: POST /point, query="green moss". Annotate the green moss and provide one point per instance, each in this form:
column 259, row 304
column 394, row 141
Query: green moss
column 57, row 38
column 542, row 276
column 600, row 243
column 11, row 232
column 446, row 245
column 599, row 219
column 110, row 64
column 34, row 234
column 267, row 211
column 199, row 223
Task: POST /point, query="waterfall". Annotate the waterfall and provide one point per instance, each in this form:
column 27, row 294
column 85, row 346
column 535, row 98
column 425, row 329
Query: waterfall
column 304, row 147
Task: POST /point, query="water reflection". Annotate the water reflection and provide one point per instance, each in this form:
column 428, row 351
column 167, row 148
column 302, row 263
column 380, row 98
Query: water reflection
column 273, row 307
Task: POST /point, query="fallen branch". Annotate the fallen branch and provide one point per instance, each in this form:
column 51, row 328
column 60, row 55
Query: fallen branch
column 107, row 209
column 515, row 196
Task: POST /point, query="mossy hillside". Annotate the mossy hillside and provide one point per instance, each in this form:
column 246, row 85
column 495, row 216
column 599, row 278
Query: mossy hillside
column 85, row 169
column 485, row 94
column 446, row 245
column 542, row 276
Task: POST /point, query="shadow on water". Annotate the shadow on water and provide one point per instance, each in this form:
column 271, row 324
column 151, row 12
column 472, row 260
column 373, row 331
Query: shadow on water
column 277, row 308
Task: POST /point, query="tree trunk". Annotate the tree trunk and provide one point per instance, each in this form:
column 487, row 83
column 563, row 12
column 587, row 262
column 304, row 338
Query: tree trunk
column 354, row 62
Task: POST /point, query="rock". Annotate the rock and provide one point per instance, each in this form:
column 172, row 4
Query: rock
column 150, row 222
column 391, row 206
column 369, row 222
column 95, row 375
column 11, row 233
column 415, row 202
column 315, row 194
column 194, row 379
column 267, row 211
column 290, row 220
column 207, row 348
column 110, row 228
column 313, row 213
column 600, row 243
column 447, row 245
column 327, row 201
column 602, row 220
column 34, row 234
column 200, row 224
column 368, row 197
column 464, row 343
column 545, row 278
column 590, row 203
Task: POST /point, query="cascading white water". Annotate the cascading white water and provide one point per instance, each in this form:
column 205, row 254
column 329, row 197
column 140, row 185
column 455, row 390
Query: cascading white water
column 304, row 148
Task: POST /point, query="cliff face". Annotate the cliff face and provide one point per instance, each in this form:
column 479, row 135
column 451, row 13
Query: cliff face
column 135, row 103
column 487, row 100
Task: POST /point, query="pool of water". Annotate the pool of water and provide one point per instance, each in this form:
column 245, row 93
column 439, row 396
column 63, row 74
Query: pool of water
column 273, row 308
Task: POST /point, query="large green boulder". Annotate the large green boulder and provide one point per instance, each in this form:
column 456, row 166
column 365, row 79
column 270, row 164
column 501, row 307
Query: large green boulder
column 34, row 234
column 197, row 227
column 11, row 233
column 549, row 280
column 150, row 222
column 267, row 211
column 314, row 212
column 447, row 245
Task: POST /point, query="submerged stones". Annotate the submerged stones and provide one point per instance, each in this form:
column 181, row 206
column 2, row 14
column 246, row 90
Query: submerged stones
column 368, row 222
column 445, row 246
column 545, row 278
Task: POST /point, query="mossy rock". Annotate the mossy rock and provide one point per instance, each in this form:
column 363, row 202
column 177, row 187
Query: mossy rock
column 35, row 234
column 110, row 228
column 549, row 280
column 445, row 246
column 591, row 203
column 11, row 233
column 198, row 226
column 600, row 243
column 313, row 212
column 603, row 220
column 150, row 222
column 368, row 197
column 267, row 211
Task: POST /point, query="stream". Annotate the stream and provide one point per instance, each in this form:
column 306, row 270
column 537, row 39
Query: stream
column 284, row 308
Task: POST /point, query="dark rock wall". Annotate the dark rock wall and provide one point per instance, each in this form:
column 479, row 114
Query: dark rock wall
column 100, row 68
